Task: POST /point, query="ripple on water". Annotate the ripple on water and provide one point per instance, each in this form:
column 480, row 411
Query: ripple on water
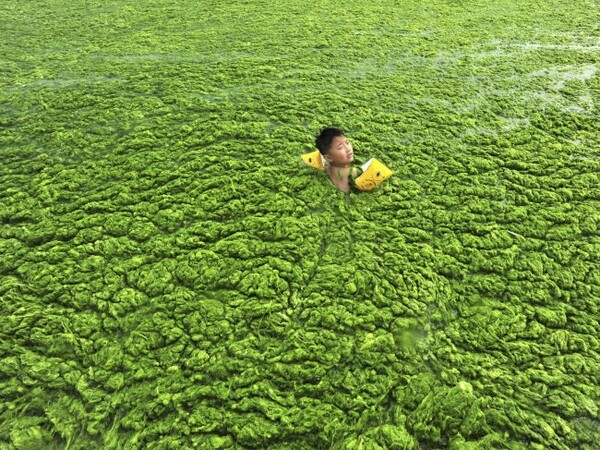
column 563, row 74
column 63, row 83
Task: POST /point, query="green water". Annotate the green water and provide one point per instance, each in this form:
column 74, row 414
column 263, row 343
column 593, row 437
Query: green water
column 172, row 276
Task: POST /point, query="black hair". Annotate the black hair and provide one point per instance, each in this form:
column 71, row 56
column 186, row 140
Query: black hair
column 326, row 137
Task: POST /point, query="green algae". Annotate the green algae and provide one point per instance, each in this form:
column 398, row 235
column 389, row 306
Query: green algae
column 173, row 277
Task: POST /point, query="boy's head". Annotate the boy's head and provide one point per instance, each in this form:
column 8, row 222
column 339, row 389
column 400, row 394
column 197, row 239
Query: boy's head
column 334, row 147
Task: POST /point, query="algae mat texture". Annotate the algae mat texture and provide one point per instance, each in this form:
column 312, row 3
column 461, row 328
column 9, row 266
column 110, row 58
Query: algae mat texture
column 173, row 277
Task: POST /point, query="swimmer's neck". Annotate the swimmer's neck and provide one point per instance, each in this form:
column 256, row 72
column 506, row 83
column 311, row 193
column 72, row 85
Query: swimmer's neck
column 343, row 166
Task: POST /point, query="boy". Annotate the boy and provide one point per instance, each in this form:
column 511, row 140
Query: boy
column 338, row 154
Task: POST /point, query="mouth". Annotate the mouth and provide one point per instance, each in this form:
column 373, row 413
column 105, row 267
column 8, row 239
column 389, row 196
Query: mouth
column 350, row 155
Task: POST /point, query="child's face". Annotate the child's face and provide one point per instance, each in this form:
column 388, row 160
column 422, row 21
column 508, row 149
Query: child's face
column 340, row 153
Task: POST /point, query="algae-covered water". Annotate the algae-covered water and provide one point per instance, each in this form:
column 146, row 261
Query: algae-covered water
column 172, row 276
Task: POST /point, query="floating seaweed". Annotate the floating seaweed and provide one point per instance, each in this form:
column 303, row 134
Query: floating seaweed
column 171, row 277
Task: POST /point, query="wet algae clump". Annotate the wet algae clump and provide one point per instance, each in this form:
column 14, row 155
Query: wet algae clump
column 172, row 276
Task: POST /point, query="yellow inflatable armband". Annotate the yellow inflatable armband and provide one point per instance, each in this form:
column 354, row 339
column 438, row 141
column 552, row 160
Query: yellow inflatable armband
column 374, row 173
column 314, row 159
